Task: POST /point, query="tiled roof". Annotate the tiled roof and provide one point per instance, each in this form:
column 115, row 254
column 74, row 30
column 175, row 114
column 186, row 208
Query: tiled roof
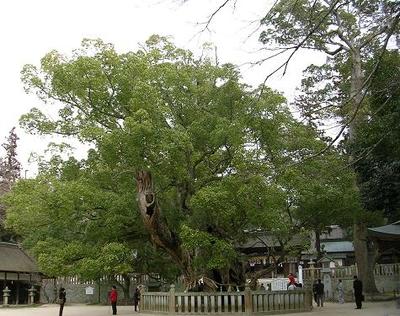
column 337, row 246
column 14, row 259
column 391, row 230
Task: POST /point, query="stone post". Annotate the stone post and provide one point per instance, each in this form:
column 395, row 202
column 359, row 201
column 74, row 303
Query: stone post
column 172, row 299
column 143, row 289
column 310, row 295
column 326, row 278
column 248, row 302
column 31, row 294
column 312, row 272
column 308, row 300
column 55, row 291
column 6, row 295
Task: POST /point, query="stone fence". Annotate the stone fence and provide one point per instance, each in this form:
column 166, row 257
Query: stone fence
column 349, row 271
column 387, row 279
column 247, row 301
column 90, row 292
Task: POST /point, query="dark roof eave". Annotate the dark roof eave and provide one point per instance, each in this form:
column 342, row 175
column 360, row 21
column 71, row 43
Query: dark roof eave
column 391, row 231
column 17, row 271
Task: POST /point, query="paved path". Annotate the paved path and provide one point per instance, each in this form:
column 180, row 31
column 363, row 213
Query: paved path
column 330, row 309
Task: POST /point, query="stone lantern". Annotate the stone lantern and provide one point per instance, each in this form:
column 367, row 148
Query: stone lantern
column 326, row 276
column 31, row 295
column 6, row 295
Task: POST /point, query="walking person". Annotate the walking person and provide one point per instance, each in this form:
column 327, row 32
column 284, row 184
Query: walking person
column 136, row 299
column 340, row 290
column 113, row 296
column 62, row 297
column 319, row 289
column 357, row 288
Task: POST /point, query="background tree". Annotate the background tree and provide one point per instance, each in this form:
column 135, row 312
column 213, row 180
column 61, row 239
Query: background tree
column 322, row 90
column 10, row 170
column 321, row 193
column 346, row 31
column 376, row 148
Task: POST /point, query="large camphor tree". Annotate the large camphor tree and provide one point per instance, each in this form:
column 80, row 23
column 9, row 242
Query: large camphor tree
column 79, row 220
column 209, row 156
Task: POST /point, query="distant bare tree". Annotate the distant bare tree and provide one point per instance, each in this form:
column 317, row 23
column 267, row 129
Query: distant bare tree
column 10, row 170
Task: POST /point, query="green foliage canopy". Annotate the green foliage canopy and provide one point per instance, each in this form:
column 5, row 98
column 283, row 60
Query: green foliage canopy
column 225, row 158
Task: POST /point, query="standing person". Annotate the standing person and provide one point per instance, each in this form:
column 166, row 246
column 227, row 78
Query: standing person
column 340, row 290
column 319, row 289
column 62, row 297
column 136, row 298
column 357, row 287
column 113, row 296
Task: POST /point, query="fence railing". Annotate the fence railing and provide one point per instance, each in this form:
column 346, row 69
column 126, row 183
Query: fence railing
column 387, row 269
column 209, row 303
column 281, row 301
column 246, row 301
column 350, row 271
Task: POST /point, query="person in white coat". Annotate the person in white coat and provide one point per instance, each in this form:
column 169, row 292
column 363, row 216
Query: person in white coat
column 340, row 290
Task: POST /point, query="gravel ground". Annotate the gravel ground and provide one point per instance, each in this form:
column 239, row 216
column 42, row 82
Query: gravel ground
column 330, row 309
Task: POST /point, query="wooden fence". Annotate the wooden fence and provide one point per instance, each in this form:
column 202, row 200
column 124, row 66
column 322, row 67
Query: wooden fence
column 249, row 302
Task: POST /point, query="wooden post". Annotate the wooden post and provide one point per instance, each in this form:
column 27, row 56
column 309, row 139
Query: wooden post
column 172, row 299
column 248, row 302
column 312, row 271
column 308, row 300
column 142, row 297
column 17, row 293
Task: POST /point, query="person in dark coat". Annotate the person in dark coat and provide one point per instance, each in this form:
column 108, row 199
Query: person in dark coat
column 62, row 297
column 113, row 296
column 136, row 298
column 358, row 289
column 319, row 290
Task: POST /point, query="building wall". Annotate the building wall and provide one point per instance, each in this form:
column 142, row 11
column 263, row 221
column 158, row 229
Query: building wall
column 77, row 292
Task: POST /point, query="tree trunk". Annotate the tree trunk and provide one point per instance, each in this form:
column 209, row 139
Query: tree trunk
column 366, row 255
column 318, row 244
column 258, row 275
column 160, row 234
column 125, row 288
column 365, row 259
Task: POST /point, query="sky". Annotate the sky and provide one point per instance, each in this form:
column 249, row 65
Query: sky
column 30, row 29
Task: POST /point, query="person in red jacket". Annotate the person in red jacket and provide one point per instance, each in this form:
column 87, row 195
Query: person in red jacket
column 113, row 296
column 292, row 279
